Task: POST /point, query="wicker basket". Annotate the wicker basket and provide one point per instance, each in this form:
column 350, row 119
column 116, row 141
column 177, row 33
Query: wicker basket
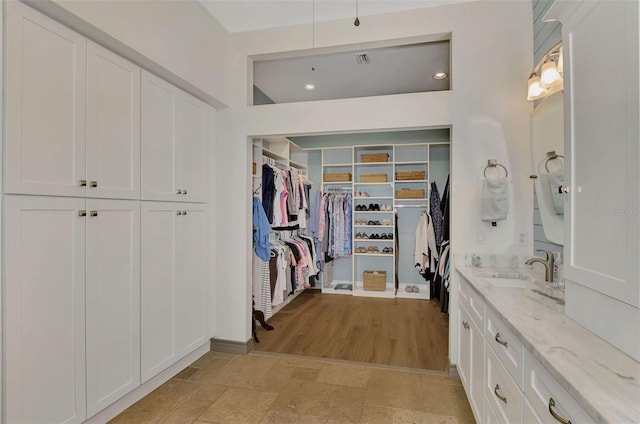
column 254, row 168
column 336, row 177
column 409, row 175
column 409, row 193
column 373, row 178
column 374, row 157
column 374, row 280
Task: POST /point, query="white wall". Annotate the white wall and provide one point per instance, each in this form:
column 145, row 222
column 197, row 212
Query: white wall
column 179, row 36
column 486, row 108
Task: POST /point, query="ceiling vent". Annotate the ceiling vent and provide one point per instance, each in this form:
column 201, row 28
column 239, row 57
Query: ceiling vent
column 363, row 58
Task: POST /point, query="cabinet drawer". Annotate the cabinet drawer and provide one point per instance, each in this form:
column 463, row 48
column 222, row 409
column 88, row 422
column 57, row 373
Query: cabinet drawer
column 506, row 345
column 541, row 387
column 473, row 302
column 502, row 394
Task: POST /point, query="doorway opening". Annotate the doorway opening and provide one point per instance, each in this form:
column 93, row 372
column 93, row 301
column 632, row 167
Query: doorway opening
column 352, row 270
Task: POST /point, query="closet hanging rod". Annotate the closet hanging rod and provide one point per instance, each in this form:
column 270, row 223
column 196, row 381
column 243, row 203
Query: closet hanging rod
column 337, row 189
column 411, row 206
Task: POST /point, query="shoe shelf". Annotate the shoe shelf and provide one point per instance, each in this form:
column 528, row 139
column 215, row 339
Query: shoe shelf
column 423, row 292
column 374, row 240
column 373, row 226
column 372, row 163
column 372, row 197
column 388, row 293
column 410, row 181
column 390, row 255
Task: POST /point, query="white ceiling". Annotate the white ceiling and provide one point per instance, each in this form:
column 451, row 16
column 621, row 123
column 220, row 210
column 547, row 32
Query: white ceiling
column 250, row 15
column 392, row 70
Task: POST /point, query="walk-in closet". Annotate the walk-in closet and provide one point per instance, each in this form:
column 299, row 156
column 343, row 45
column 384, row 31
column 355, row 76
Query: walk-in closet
column 351, row 242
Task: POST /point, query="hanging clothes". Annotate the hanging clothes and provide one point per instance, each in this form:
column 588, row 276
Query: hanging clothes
column 425, row 252
column 335, row 225
column 261, row 229
column 436, row 213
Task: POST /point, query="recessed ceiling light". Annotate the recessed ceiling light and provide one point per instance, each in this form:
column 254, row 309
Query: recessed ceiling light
column 309, row 87
column 440, row 75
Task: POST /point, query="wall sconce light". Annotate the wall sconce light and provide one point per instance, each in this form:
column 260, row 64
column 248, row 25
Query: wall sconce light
column 546, row 77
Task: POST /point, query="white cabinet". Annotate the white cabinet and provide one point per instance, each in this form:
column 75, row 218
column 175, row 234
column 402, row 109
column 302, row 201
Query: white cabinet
column 602, row 219
column 113, row 125
column 72, row 316
column 175, row 134
column 603, row 206
column 44, row 310
column 173, row 269
column 45, row 98
column 73, row 113
column 471, row 348
column 113, row 300
column 503, row 395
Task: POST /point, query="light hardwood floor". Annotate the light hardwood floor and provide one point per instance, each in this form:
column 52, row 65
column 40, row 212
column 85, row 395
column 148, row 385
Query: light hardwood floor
column 399, row 332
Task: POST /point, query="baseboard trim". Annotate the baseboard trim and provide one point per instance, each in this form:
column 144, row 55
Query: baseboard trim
column 132, row 397
column 453, row 372
column 231, row 346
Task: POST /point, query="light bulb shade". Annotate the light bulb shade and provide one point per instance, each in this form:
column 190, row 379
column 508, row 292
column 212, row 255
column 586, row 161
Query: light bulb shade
column 549, row 74
column 560, row 62
column 535, row 91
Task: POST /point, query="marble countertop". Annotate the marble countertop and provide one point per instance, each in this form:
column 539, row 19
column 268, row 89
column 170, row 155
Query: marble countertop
column 602, row 379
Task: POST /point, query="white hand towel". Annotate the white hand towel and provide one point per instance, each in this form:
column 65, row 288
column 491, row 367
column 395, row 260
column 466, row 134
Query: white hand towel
column 556, row 180
column 495, row 199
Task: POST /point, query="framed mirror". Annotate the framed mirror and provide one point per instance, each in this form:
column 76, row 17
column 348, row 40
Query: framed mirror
column 547, row 154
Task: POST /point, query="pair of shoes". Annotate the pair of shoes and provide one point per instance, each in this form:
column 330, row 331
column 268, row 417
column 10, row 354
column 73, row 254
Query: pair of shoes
column 387, row 208
column 374, row 207
column 388, row 250
column 384, row 236
column 373, row 223
column 362, row 236
column 374, row 236
column 373, row 249
column 361, row 208
column 361, row 250
column 412, row 289
column 361, row 222
column 362, row 194
column 386, row 222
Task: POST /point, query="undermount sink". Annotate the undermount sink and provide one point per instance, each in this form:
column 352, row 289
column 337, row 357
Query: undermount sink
column 506, row 282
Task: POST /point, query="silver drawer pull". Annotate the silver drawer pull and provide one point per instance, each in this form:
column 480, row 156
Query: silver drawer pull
column 554, row 414
column 93, row 184
column 499, row 340
column 93, row 213
column 82, row 213
column 184, row 191
column 179, row 192
column 83, row 183
column 465, row 324
column 498, row 395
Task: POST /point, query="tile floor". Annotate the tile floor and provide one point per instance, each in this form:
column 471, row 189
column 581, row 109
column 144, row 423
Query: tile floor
column 276, row 389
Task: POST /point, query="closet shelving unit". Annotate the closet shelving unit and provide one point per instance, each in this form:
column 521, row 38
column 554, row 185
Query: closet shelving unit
column 430, row 158
column 284, row 154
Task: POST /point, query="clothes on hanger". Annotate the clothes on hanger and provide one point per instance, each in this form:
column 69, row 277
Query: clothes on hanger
column 261, row 230
column 436, row 213
column 334, row 229
column 426, row 252
column 285, row 196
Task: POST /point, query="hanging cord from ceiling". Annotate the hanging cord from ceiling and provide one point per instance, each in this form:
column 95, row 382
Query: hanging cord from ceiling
column 313, row 35
column 357, row 21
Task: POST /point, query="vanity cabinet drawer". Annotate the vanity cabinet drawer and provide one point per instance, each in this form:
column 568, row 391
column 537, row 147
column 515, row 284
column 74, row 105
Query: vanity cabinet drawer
column 473, row 302
column 502, row 394
column 545, row 394
column 506, row 345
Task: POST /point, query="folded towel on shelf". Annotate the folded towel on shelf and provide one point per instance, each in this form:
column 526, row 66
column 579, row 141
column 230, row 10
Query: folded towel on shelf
column 495, row 199
column 556, row 180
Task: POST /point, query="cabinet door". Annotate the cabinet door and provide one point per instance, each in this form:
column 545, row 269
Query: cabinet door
column 45, row 98
column 190, row 286
column 158, row 223
column 113, row 125
column 464, row 349
column 476, row 370
column 44, row 310
column 159, row 142
column 602, row 143
column 194, row 120
column 113, row 301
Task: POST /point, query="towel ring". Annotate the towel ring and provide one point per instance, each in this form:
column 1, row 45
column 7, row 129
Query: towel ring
column 546, row 162
column 492, row 163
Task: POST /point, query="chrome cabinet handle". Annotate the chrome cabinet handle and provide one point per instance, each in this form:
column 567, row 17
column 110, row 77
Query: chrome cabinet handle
column 83, row 183
column 465, row 324
column 554, row 414
column 563, row 189
column 179, row 192
column 93, row 213
column 82, row 213
column 184, row 212
column 498, row 395
column 499, row 340
column 93, row 184
column 178, row 213
column 184, row 191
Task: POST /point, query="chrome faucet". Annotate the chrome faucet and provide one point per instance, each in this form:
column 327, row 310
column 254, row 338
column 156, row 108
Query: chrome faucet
column 548, row 264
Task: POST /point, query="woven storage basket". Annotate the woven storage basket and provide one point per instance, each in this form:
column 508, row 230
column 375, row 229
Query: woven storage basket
column 373, row 178
column 374, row 280
column 409, row 193
column 374, row 157
column 409, row 175
column 336, row 177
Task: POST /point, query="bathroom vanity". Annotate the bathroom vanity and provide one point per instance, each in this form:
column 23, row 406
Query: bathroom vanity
column 521, row 359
